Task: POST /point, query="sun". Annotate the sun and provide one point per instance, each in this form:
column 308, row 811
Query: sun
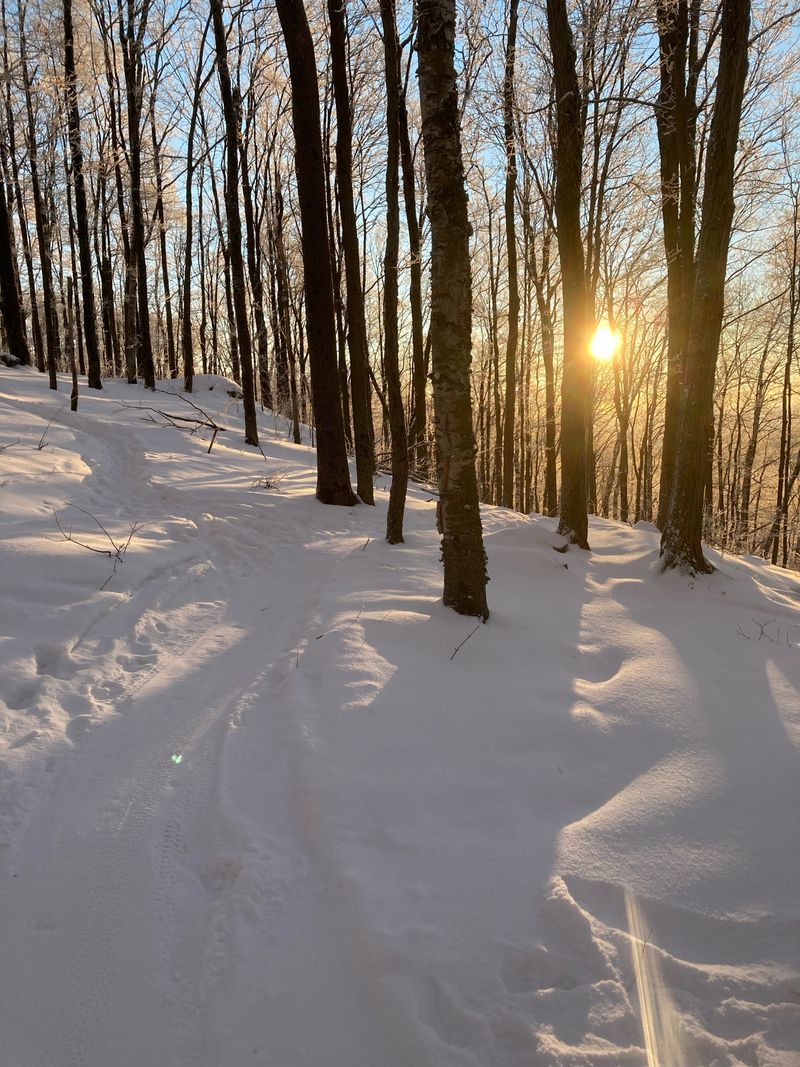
column 605, row 343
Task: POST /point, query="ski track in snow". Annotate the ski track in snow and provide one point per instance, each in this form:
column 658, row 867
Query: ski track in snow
column 252, row 812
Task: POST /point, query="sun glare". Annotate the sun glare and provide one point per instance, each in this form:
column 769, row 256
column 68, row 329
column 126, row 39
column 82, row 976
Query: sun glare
column 605, row 344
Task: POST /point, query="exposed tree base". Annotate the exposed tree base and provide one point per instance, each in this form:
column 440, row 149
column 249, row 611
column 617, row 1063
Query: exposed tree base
column 464, row 584
column 572, row 537
column 686, row 559
column 343, row 497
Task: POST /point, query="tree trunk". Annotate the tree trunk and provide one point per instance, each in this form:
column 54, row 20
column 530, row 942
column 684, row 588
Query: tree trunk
column 333, row 475
column 42, row 226
column 256, row 284
column 131, row 40
column 238, row 283
column 172, row 359
column 681, row 542
column 9, row 293
column 463, row 553
column 675, row 126
column 576, row 377
column 391, row 353
column 511, row 257
column 356, row 325
column 82, row 215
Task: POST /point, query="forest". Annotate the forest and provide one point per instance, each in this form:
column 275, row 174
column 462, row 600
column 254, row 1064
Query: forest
column 331, row 331
column 182, row 193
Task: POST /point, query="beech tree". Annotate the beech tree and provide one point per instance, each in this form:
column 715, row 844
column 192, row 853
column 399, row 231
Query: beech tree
column 463, row 553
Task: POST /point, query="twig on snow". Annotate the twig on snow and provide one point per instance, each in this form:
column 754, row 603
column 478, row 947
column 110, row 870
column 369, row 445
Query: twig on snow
column 455, row 650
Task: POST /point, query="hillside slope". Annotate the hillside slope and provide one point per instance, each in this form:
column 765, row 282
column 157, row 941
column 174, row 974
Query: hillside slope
column 254, row 810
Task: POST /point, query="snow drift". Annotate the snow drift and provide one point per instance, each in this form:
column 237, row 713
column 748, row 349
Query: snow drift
column 253, row 810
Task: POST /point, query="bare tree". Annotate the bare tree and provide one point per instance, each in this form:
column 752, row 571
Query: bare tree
column 463, row 553
column 681, row 545
column 333, row 475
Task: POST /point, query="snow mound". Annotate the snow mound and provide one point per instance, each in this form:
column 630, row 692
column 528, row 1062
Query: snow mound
column 264, row 800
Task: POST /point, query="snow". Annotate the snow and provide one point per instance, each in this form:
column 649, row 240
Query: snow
column 254, row 811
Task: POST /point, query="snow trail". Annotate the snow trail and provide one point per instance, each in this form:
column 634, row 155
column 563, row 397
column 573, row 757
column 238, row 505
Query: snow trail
column 252, row 811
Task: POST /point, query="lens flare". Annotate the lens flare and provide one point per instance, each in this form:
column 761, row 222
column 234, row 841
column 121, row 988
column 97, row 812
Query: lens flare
column 605, row 343
column 660, row 1019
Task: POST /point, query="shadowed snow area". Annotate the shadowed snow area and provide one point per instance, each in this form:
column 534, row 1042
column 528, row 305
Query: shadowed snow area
column 252, row 811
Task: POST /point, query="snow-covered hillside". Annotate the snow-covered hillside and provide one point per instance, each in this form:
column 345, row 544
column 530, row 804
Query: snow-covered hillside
column 254, row 810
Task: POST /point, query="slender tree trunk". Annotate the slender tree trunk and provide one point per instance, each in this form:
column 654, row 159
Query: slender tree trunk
column 131, row 41
column 256, row 283
column 234, row 243
column 187, row 339
column 333, row 475
column 42, row 225
column 81, row 212
column 417, row 443
column 391, row 353
column 356, row 325
column 463, row 553
column 681, row 545
column 172, row 359
column 511, row 258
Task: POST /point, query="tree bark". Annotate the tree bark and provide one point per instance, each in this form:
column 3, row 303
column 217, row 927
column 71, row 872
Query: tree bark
column 463, row 553
column 391, row 352
column 238, row 283
column 356, row 326
column 511, row 258
column 333, row 474
column 82, row 216
column 576, row 376
column 681, row 545
column 9, row 293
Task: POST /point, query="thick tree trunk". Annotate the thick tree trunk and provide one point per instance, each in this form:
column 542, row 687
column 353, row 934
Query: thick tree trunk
column 81, row 212
column 463, row 553
column 333, row 474
column 675, row 125
column 391, row 353
column 356, row 325
column 576, row 377
column 238, row 283
column 681, row 542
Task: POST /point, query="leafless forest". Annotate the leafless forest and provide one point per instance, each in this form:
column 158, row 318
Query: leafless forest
column 180, row 195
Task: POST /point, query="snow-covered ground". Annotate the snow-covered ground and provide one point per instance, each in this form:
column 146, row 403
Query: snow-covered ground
column 254, row 811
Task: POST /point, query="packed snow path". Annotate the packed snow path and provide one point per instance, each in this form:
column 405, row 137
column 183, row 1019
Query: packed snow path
column 254, row 813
